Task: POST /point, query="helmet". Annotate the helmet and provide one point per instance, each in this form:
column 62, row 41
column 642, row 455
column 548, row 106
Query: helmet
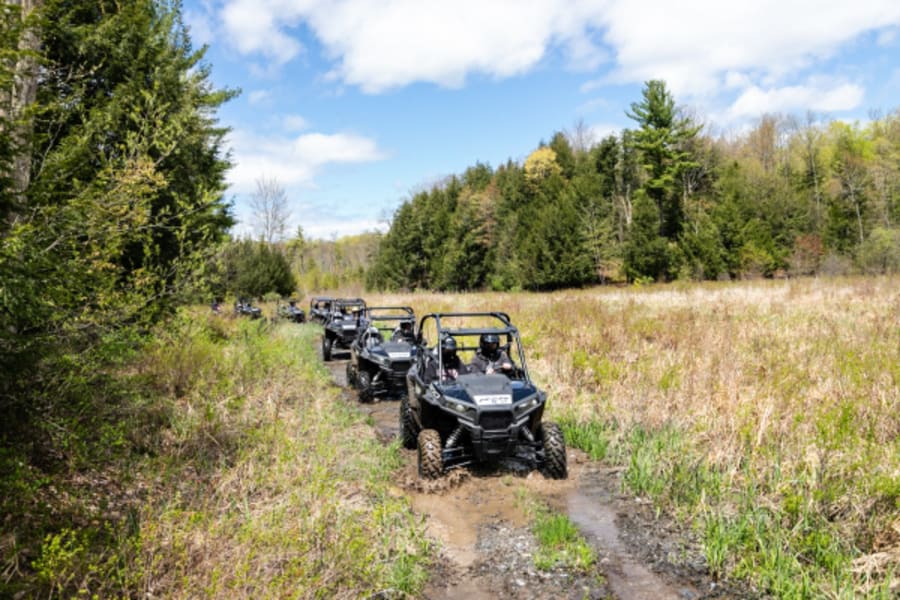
column 489, row 344
column 406, row 325
column 448, row 348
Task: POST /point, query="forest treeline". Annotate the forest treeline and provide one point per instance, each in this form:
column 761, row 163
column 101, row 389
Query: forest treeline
column 112, row 204
column 662, row 201
column 113, row 169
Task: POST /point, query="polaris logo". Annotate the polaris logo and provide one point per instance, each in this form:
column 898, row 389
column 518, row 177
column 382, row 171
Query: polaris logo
column 493, row 400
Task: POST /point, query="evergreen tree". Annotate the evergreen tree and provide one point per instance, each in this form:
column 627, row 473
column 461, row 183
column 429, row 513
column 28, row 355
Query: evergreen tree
column 254, row 269
column 125, row 180
column 468, row 251
column 564, row 155
column 10, row 31
column 646, row 253
column 657, row 202
column 663, row 140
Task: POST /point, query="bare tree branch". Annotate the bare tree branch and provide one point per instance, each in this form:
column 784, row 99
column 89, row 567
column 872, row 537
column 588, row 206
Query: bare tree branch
column 270, row 210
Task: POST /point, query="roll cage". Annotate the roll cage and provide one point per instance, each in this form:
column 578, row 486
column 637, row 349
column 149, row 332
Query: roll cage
column 341, row 304
column 504, row 328
column 385, row 318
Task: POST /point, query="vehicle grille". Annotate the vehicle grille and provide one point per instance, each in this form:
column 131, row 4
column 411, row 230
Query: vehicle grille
column 495, row 420
column 400, row 367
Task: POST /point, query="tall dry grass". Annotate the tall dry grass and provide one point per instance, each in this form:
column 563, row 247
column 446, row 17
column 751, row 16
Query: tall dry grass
column 766, row 413
column 259, row 481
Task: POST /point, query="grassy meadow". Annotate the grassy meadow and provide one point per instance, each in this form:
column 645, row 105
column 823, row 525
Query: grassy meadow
column 764, row 414
column 237, row 472
column 219, row 461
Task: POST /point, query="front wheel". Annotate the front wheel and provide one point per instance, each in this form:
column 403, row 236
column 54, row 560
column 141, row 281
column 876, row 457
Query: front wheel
column 364, row 384
column 554, row 451
column 326, row 348
column 431, row 461
column 351, row 376
column 407, row 425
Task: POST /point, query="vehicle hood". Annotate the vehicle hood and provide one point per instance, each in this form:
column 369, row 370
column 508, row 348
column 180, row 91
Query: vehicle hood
column 481, row 385
column 395, row 349
column 475, row 386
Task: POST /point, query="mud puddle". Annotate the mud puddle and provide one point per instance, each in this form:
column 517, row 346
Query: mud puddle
column 487, row 547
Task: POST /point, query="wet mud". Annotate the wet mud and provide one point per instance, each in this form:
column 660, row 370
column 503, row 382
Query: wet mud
column 478, row 517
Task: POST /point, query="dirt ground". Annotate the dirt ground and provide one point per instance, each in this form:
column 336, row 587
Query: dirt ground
column 487, row 548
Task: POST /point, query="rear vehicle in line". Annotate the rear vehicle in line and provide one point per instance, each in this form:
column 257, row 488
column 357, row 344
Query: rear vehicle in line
column 291, row 312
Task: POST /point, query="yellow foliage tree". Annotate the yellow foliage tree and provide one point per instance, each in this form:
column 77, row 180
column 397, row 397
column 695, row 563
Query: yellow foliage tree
column 541, row 164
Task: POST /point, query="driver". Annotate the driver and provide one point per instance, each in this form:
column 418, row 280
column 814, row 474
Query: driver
column 453, row 367
column 490, row 358
column 403, row 332
column 374, row 338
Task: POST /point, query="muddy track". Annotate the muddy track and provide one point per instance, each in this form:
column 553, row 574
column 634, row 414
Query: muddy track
column 486, row 546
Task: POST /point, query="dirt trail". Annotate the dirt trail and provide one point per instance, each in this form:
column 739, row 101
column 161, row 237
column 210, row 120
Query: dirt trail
column 487, row 548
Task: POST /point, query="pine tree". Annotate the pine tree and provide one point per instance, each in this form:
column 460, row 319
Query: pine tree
column 123, row 197
column 663, row 140
column 646, row 253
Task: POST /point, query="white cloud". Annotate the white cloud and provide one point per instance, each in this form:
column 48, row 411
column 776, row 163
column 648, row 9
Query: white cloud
column 294, row 123
column 318, row 149
column 697, row 46
column 201, row 29
column 326, row 229
column 257, row 27
column 692, row 44
column 294, row 161
column 381, row 45
column 754, row 101
column 378, row 45
column 258, row 96
column 888, row 37
column 599, row 131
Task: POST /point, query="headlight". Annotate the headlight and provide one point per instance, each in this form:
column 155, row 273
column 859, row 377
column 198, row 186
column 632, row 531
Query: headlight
column 458, row 407
column 528, row 404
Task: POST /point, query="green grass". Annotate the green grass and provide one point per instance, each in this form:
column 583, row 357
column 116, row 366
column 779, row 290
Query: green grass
column 560, row 544
column 593, row 436
column 254, row 479
column 763, row 414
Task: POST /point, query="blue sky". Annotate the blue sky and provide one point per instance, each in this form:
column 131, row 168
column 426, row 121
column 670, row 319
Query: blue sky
column 353, row 105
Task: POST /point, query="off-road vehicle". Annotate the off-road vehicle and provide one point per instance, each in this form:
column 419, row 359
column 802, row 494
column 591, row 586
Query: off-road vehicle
column 342, row 325
column 382, row 352
column 291, row 312
column 457, row 418
column 320, row 308
column 244, row 308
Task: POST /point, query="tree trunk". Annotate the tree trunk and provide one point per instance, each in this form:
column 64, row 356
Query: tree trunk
column 24, row 94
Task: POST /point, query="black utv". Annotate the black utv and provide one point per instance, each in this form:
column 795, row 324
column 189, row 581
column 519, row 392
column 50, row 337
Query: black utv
column 342, row 325
column 382, row 352
column 244, row 308
column 320, row 308
column 291, row 312
column 457, row 415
